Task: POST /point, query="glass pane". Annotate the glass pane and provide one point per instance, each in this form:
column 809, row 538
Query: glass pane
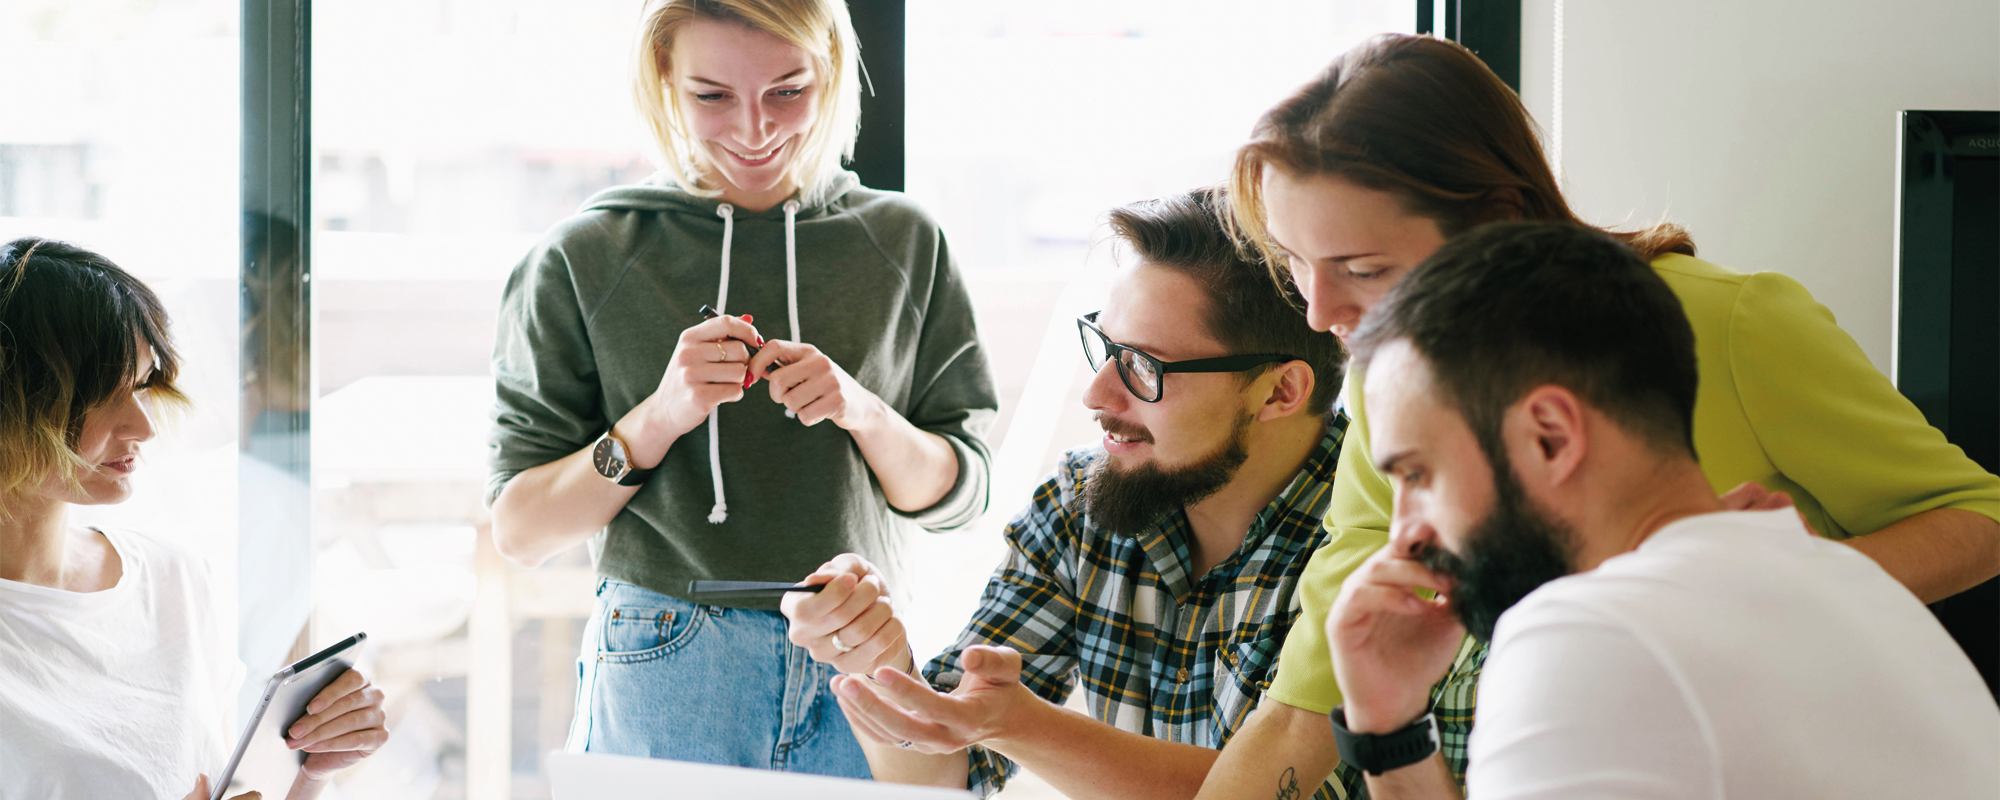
column 449, row 137
column 1027, row 122
column 120, row 136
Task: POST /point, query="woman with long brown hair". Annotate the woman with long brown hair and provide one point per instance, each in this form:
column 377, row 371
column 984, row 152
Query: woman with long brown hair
column 1406, row 142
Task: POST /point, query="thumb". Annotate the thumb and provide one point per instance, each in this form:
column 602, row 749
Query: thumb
column 993, row 664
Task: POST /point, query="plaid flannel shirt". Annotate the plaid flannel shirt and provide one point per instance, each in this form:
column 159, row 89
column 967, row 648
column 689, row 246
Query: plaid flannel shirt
column 1158, row 652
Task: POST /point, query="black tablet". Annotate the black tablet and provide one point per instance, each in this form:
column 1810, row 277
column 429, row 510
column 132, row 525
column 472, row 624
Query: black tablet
column 262, row 761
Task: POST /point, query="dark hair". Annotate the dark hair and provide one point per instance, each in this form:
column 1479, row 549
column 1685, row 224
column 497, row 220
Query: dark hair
column 1512, row 306
column 1422, row 119
column 1184, row 233
column 68, row 322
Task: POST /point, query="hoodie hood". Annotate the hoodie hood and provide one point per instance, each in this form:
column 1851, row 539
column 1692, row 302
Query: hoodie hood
column 661, row 193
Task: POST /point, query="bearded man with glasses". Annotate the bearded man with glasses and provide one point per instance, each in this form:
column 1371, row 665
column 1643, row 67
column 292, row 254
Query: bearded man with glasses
column 1156, row 570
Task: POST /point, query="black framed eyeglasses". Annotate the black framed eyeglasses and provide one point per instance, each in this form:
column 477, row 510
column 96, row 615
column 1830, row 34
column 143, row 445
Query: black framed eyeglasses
column 1144, row 375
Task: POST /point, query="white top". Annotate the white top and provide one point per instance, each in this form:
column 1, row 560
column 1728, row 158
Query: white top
column 123, row 693
column 1731, row 655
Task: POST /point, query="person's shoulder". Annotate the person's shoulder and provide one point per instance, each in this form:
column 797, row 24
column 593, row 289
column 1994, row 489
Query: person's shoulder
column 881, row 207
column 1695, row 280
column 895, row 226
column 162, row 563
column 1677, row 266
column 1693, row 563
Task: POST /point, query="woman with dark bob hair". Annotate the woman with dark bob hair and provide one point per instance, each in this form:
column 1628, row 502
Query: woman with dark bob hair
column 118, row 680
column 1405, row 142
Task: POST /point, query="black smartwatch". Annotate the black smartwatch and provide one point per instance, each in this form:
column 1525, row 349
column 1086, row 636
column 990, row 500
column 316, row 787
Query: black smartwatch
column 612, row 461
column 1378, row 753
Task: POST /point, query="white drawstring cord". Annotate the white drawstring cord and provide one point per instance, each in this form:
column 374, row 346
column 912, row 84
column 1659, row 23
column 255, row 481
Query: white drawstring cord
column 792, row 274
column 720, row 512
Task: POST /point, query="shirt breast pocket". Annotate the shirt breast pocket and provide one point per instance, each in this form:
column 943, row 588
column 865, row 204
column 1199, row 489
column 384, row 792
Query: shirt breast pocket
column 1245, row 670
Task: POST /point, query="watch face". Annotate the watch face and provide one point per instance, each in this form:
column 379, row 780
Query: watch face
column 608, row 458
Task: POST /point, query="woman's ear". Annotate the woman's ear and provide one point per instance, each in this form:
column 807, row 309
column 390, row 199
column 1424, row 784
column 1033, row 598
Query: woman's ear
column 1290, row 393
column 1504, row 204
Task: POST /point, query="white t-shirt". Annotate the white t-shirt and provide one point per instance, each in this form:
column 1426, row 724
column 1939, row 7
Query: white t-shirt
column 1731, row 655
column 123, row 693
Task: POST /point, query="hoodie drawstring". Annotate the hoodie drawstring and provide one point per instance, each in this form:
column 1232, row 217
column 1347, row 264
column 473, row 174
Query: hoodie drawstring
column 792, row 275
column 720, row 513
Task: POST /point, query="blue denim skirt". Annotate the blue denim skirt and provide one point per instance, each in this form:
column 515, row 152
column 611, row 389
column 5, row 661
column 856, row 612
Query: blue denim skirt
column 665, row 678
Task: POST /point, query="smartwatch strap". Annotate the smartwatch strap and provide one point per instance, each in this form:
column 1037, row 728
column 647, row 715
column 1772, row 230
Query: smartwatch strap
column 1379, row 753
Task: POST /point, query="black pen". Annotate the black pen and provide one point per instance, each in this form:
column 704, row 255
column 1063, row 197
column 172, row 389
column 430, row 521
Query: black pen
column 708, row 591
column 709, row 313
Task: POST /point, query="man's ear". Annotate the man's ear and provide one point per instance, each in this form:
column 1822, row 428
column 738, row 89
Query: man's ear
column 1546, row 429
column 1290, row 393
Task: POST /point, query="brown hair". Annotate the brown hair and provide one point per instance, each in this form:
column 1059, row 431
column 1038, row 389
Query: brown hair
column 69, row 321
column 1183, row 233
column 1422, row 119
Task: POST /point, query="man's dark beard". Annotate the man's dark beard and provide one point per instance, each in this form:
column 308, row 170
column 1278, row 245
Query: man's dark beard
column 1513, row 551
column 1129, row 501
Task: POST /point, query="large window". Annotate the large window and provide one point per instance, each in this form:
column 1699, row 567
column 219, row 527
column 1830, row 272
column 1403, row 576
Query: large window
column 447, row 136
column 119, row 134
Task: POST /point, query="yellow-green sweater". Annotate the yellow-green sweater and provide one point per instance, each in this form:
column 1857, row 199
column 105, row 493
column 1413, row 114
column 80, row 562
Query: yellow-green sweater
column 1787, row 399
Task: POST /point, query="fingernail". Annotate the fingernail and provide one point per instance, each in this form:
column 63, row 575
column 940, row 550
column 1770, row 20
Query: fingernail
column 749, row 318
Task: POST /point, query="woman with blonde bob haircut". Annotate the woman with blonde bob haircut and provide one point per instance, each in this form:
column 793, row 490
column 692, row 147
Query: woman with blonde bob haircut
column 1405, row 142
column 119, row 681
column 617, row 389
column 821, row 30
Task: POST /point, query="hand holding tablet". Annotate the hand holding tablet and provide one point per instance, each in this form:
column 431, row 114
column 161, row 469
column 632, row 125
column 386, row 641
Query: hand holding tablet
column 318, row 716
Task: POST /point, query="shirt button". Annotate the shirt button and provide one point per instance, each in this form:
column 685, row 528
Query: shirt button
column 1230, row 657
column 1182, row 676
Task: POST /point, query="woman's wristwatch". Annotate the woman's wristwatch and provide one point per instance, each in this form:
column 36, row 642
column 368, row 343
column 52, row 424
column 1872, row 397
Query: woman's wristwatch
column 1375, row 753
column 612, row 460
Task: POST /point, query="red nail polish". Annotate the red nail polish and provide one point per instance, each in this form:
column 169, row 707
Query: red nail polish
column 748, row 318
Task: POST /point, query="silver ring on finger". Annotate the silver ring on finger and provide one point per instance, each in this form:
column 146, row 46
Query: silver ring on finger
column 840, row 645
column 905, row 744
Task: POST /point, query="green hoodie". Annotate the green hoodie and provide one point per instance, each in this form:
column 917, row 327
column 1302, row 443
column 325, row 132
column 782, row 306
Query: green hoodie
column 588, row 324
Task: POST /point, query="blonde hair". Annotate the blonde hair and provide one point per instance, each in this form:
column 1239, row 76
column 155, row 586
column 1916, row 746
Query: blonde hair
column 70, row 325
column 821, row 28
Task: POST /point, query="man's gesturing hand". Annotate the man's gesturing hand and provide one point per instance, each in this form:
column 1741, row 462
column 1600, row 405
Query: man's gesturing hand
column 1389, row 644
column 895, row 708
column 849, row 624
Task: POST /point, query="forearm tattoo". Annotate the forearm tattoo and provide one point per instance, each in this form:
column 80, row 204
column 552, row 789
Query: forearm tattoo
column 1288, row 785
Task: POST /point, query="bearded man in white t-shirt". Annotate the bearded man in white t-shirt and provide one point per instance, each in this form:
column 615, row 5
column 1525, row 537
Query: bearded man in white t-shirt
column 1532, row 390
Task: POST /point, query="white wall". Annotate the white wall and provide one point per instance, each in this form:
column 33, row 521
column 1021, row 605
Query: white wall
column 1767, row 127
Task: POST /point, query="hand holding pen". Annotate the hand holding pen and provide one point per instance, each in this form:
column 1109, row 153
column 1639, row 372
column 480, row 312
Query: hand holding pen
column 808, row 384
column 710, row 366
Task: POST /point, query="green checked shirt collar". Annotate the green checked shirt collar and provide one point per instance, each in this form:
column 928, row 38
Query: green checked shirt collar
column 1155, row 651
